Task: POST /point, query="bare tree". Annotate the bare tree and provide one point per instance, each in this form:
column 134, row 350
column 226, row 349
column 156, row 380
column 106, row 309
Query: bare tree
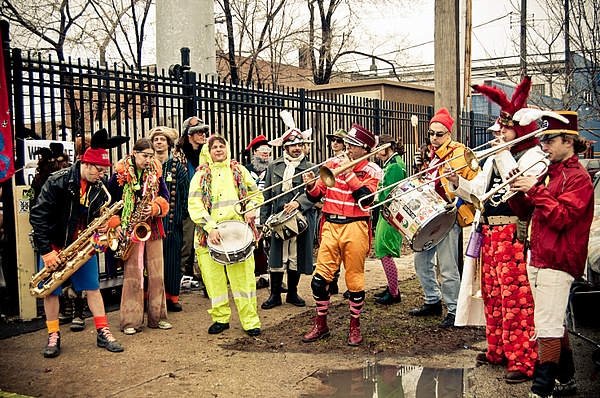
column 49, row 22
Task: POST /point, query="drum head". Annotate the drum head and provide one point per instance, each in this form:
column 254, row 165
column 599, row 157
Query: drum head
column 433, row 231
column 236, row 244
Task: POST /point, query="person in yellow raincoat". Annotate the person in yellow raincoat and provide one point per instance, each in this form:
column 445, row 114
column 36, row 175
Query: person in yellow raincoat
column 219, row 183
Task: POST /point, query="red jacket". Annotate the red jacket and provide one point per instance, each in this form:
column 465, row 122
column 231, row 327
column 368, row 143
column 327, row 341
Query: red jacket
column 562, row 215
column 342, row 199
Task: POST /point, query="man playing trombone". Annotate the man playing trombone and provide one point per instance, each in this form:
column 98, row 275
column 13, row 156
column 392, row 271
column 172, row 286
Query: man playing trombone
column 507, row 298
column 561, row 207
column 445, row 153
column 293, row 254
column 345, row 232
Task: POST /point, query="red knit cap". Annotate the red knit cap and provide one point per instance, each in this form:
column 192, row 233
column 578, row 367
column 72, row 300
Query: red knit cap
column 443, row 116
column 98, row 156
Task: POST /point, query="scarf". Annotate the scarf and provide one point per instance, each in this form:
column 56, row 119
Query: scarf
column 290, row 167
column 206, row 191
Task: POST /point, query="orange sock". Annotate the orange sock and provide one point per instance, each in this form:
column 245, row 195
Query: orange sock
column 101, row 322
column 52, row 326
column 174, row 299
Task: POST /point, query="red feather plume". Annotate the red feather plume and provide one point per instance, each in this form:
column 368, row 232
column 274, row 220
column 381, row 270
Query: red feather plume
column 494, row 94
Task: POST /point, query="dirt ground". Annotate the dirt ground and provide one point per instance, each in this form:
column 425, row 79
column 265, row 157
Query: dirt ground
column 186, row 361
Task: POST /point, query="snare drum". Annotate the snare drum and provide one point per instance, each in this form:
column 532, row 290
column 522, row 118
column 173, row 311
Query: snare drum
column 237, row 243
column 421, row 215
column 287, row 226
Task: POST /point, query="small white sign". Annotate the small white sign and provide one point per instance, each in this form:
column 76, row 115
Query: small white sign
column 30, row 160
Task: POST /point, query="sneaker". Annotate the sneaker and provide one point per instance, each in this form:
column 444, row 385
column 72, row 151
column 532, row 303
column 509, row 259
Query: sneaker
column 515, row 377
column 130, row 331
column 253, row 332
column 218, row 327
column 77, row 324
column 105, row 339
column 448, row 321
column 164, row 325
column 565, row 389
column 52, row 349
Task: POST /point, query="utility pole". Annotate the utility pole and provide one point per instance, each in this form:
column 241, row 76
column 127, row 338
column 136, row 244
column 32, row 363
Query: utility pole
column 524, row 38
column 467, row 76
column 568, row 63
column 447, row 61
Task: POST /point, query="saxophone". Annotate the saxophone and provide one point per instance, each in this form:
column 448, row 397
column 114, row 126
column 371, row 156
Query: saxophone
column 76, row 254
column 138, row 229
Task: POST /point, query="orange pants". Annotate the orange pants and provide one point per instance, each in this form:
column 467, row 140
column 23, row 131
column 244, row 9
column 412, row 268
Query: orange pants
column 348, row 244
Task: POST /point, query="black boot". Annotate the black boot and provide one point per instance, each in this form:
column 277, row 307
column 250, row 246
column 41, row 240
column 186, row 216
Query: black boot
column 274, row 299
column 427, row 309
column 543, row 379
column 292, row 294
column 388, row 299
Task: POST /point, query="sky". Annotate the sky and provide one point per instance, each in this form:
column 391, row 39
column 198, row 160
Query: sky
column 402, row 27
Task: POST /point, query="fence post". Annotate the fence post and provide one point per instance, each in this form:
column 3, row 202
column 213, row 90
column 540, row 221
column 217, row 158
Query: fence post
column 377, row 117
column 189, row 84
column 302, row 108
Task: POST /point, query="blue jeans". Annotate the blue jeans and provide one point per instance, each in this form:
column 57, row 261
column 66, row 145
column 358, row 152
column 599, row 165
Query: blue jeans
column 447, row 255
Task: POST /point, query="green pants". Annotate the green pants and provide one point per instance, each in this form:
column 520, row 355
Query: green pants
column 243, row 288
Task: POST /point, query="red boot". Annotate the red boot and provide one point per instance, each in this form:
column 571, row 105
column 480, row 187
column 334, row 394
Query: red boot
column 320, row 330
column 354, row 336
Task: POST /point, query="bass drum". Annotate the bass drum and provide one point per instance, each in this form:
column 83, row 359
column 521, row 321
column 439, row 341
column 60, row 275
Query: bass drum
column 237, row 243
column 421, row 215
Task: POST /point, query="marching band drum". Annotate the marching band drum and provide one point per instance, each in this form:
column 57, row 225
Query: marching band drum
column 237, row 242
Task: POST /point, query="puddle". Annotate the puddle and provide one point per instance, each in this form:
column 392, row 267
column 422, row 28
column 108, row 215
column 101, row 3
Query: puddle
column 383, row 381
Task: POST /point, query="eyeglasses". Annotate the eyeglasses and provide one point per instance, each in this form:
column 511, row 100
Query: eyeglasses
column 146, row 155
column 437, row 133
column 337, row 140
column 101, row 170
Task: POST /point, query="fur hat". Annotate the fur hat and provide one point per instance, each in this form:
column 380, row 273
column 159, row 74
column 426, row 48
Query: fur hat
column 360, row 136
column 169, row 133
column 508, row 109
column 443, row 116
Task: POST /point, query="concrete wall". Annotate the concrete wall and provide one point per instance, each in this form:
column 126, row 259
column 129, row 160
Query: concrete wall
column 186, row 23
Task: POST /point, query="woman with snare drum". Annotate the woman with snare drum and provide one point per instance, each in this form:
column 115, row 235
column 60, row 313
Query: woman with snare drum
column 507, row 297
column 218, row 185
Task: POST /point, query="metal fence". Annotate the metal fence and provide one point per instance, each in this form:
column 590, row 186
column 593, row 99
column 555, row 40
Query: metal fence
column 54, row 99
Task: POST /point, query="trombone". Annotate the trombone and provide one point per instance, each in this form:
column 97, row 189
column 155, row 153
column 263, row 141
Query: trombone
column 471, row 157
column 326, row 174
column 242, row 202
column 478, row 201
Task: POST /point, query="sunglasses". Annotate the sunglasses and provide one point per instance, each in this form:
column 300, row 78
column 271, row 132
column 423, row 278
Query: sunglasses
column 437, row 133
column 338, row 140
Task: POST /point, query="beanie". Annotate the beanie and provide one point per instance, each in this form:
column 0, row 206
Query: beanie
column 443, row 116
column 97, row 156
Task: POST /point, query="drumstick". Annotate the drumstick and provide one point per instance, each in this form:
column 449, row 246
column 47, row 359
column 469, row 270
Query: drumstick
column 414, row 120
column 224, row 250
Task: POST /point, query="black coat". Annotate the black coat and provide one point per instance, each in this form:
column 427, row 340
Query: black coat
column 56, row 214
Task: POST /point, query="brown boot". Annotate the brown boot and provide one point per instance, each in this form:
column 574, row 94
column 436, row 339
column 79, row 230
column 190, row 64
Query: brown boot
column 354, row 336
column 320, row 330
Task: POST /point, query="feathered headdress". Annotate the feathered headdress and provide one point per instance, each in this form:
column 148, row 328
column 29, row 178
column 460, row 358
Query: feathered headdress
column 293, row 133
column 508, row 109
